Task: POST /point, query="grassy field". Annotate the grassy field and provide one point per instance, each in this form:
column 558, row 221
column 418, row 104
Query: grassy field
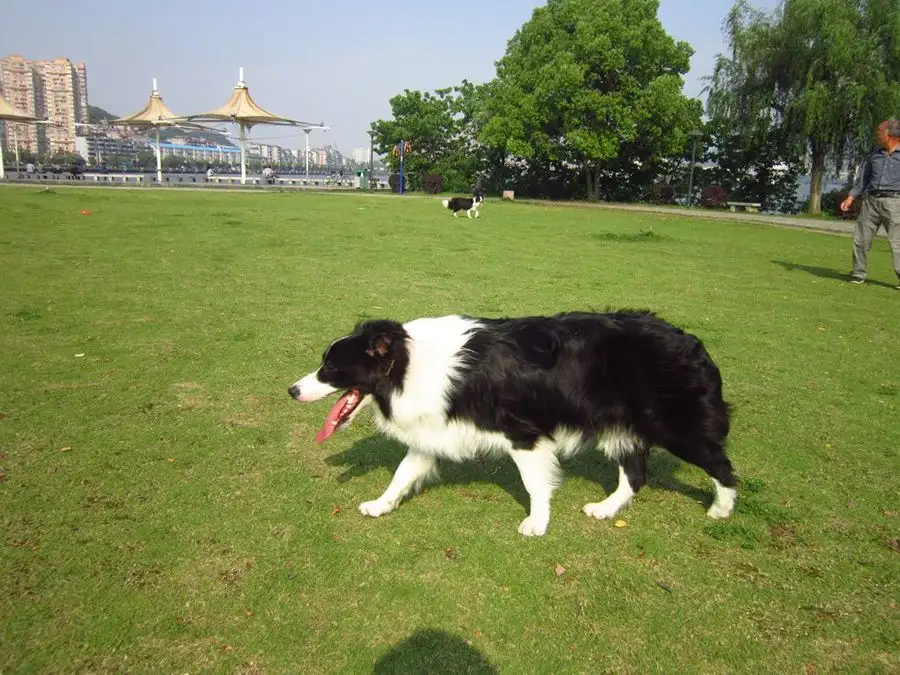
column 164, row 508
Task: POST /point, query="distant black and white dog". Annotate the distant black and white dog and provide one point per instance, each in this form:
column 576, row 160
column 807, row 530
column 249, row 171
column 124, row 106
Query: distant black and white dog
column 539, row 389
column 468, row 204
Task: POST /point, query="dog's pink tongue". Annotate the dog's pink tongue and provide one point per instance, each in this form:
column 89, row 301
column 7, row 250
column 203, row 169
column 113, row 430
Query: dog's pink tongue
column 331, row 421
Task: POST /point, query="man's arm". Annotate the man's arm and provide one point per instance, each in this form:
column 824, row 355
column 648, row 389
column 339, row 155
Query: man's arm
column 862, row 181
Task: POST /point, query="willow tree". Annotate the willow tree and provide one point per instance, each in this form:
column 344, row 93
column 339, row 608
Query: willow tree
column 818, row 74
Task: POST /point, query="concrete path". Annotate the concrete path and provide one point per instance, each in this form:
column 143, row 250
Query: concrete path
column 820, row 224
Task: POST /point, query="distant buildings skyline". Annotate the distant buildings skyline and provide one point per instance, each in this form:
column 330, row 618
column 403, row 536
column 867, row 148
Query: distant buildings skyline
column 55, row 90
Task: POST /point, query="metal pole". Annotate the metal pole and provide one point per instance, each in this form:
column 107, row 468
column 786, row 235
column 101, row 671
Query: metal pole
column 306, row 131
column 243, row 151
column 371, row 157
column 158, row 159
column 16, row 144
column 691, row 179
column 2, row 169
column 401, row 166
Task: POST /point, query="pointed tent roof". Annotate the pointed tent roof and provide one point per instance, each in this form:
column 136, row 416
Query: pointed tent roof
column 153, row 114
column 242, row 109
column 11, row 114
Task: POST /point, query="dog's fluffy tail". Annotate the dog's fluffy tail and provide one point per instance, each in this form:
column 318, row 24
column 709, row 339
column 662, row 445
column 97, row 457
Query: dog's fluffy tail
column 446, row 203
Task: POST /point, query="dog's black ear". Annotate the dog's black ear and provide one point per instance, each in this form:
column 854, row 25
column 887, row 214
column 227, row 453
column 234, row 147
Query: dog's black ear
column 379, row 345
column 383, row 336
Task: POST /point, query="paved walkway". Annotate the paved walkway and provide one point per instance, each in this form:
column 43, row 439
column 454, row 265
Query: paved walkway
column 820, row 224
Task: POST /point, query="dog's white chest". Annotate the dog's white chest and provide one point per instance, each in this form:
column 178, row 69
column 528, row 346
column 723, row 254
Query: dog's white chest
column 453, row 440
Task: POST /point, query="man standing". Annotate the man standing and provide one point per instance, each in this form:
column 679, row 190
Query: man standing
column 879, row 183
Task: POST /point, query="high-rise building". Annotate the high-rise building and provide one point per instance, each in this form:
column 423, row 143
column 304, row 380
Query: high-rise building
column 55, row 90
column 327, row 156
column 18, row 85
column 361, row 155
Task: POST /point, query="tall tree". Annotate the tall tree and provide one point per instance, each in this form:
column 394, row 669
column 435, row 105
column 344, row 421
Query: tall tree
column 593, row 85
column 819, row 74
column 440, row 128
column 763, row 169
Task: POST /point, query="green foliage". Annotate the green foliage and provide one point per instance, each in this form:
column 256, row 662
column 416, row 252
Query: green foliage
column 595, row 86
column 66, row 159
column 820, row 74
column 146, row 159
column 96, row 115
column 172, row 162
column 168, row 133
column 440, row 130
column 118, row 162
column 25, row 156
column 759, row 168
column 587, row 102
column 831, row 205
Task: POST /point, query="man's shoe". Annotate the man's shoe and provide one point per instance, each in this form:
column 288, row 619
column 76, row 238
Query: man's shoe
column 857, row 280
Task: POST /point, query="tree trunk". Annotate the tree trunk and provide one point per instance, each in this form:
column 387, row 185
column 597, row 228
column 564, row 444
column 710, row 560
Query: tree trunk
column 816, row 178
column 592, row 176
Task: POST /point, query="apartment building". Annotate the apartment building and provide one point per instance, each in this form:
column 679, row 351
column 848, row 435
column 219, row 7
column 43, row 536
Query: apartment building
column 54, row 90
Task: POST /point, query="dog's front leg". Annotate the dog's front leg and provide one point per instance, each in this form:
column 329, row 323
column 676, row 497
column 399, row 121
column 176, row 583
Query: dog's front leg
column 541, row 474
column 414, row 470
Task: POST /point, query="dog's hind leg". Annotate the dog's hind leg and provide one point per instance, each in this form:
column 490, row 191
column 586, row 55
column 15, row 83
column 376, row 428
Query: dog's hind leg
column 414, row 470
column 541, row 475
column 632, row 475
column 710, row 456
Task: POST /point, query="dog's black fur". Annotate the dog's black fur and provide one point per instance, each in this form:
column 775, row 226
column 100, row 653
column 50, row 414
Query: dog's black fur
column 467, row 204
column 620, row 381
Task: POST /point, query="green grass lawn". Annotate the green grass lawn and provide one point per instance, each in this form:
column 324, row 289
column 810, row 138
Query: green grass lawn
column 164, row 508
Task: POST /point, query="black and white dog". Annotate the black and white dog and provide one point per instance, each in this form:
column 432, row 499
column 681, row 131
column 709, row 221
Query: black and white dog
column 539, row 389
column 467, row 204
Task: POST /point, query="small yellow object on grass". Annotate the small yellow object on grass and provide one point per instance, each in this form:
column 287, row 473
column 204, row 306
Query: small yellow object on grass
column 620, row 523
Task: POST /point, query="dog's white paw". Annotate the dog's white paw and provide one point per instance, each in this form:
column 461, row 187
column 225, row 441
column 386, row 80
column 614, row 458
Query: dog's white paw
column 533, row 527
column 719, row 511
column 602, row 510
column 375, row 508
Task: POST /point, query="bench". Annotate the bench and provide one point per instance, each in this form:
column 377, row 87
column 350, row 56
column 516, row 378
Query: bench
column 749, row 207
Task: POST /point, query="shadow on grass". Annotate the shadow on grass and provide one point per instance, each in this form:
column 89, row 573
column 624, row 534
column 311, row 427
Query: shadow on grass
column 629, row 238
column 434, row 652
column 824, row 272
column 376, row 452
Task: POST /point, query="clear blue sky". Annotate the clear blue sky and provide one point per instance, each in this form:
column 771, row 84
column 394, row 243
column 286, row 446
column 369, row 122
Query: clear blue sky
column 337, row 62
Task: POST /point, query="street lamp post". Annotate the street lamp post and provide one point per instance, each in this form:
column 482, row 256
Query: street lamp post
column 16, row 143
column 696, row 135
column 371, row 133
column 306, row 131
